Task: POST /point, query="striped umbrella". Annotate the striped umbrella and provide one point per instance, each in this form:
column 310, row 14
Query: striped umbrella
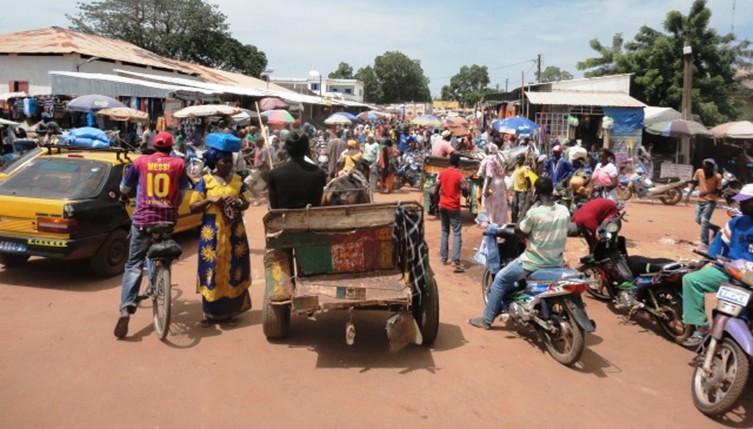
column 278, row 117
column 678, row 128
column 337, row 119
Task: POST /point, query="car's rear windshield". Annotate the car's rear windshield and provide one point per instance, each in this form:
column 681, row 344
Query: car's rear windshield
column 58, row 178
column 8, row 167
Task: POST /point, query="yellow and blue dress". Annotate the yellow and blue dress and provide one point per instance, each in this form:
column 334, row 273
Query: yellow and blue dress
column 224, row 258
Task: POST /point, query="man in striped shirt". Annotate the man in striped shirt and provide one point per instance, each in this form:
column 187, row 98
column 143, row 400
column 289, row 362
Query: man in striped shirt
column 160, row 183
column 545, row 226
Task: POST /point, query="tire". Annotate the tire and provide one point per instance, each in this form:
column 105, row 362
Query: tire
column 624, row 193
column 571, row 336
column 738, row 368
column 427, row 313
column 11, row 260
column 161, row 299
column 486, row 285
column 671, row 197
column 672, row 328
column 112, row 255
column 275, row 320
column 599, row 289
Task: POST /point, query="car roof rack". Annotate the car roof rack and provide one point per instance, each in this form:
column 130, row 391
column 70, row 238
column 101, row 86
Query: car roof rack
column 117, row 150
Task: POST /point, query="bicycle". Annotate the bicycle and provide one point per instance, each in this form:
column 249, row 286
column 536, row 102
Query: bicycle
column 163, row 250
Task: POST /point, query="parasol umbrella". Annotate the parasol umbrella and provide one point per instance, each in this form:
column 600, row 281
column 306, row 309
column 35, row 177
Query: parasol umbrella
column 515, row 125
column 278, row 117
column 734, row 130
column 350, row 116
column 244, row 118
column 427, row 121
column 206, row 110
column 678, row 128
column 272, row 103
column 124, row 114
column 367, row 116
column 91, row 103
column 455, row 120
column 337, row 119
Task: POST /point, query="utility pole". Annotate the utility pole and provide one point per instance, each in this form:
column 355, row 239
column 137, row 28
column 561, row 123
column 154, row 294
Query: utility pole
column 687, row 88
column 538, row 69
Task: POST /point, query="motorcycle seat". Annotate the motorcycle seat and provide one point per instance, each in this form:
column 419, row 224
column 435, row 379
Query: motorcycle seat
column 554, row 274
column 643, row 265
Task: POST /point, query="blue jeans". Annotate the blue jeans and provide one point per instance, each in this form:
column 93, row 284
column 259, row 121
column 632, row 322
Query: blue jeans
column 703, row 212
column 503, row 284
column 134, row 267
column 450, row 218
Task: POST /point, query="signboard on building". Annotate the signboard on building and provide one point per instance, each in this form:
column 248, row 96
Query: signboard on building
column 683, row 171
column 446, row 105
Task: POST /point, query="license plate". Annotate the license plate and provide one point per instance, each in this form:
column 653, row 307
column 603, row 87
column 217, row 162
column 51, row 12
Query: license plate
column 733, row 295
column 10, row 247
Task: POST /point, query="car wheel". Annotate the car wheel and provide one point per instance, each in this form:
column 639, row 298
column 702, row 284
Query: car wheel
column 111, row 256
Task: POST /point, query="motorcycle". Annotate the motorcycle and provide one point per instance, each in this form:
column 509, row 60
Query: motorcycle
column 638, row 183
column 548, row 299
column 730, row 186
column 409, row 172
column 638, row 284
column 724, row 359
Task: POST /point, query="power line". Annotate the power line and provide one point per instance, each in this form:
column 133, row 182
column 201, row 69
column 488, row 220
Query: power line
column 492, row 68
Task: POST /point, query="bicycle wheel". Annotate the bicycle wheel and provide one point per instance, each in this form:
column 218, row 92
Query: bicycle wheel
column 161, row 299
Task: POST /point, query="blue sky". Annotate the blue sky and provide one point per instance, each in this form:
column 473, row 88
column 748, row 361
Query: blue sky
column 300, row 35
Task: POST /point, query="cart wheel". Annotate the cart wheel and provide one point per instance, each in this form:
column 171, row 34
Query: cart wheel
column 275, row 320
column 427, row 313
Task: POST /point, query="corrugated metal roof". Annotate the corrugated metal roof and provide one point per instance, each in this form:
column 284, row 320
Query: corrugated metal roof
column 75, row 84
column 56, row 40
column 580, row 98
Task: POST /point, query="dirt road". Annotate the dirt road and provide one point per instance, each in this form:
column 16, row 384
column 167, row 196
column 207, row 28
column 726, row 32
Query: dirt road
column 60, row 365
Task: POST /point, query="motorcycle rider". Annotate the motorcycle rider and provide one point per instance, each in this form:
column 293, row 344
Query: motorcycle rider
column 545, row 226
column 591, row 215
column 710, row 188
column 734, row 242
column 557, row 167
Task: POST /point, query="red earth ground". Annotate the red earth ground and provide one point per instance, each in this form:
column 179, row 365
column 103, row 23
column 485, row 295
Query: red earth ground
column 60, row 365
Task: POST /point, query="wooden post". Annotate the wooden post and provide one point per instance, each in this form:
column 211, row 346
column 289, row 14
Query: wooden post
column 264, row 135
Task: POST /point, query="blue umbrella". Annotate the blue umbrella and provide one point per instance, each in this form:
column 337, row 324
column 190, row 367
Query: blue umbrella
column 350, row 116
column 91, row 103
column 515, row 124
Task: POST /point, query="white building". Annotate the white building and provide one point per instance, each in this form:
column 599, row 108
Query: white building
column 348, row 89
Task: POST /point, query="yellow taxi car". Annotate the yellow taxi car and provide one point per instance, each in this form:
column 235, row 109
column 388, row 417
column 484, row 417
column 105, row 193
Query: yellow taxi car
column 64, row 204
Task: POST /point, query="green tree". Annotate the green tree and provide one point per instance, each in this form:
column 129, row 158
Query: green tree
column 655, row 58
column 468, row 86
column 186, row 30
column 394, row 78
column 553, row 74
column 344, row 71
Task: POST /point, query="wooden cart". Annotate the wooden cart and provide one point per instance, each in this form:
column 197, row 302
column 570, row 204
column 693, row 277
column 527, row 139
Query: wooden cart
column 344, row 257
column 433, row 165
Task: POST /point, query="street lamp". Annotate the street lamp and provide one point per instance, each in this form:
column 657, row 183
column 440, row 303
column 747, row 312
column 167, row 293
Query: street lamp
column 315, row 73
column 87, row 62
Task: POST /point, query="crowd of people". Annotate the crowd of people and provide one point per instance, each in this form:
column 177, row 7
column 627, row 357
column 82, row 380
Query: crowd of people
column 296, row 169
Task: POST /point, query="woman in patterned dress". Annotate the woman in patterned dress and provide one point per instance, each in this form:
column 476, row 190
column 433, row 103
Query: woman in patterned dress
column 224, row 258
column 495, row 190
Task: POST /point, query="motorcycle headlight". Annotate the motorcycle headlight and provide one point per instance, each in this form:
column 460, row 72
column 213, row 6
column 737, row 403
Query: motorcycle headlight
column 612, row 228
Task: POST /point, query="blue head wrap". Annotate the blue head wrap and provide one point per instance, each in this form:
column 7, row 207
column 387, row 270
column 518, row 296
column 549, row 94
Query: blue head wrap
column 211, row 157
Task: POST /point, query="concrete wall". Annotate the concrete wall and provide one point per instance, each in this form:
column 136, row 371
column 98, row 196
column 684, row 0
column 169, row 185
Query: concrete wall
column 35, row 70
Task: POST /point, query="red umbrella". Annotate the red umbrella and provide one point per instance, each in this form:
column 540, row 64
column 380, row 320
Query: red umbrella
column 272, row 103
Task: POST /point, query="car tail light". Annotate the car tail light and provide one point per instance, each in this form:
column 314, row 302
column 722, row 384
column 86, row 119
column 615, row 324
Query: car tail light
column 577, row 288
column 57, row 225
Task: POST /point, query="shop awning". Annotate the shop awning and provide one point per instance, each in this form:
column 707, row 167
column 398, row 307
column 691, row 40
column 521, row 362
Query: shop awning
column 582, row 98
column 75, row 84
